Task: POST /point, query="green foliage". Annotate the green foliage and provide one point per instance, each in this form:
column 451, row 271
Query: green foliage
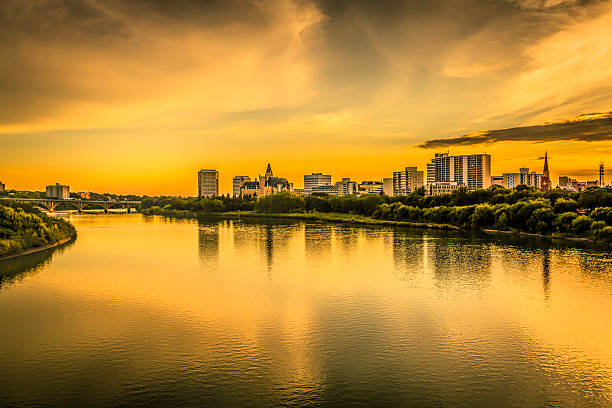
column 563, row 222
column 602, row 214
column 280, row 203
column 581, row 224
column 563, row 205
column 23, row 227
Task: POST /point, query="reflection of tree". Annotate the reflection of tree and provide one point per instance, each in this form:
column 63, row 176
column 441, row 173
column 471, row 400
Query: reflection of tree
column 459, row 262
column 546, row 273
column 208, row 241
column 408, row 253
column 596, row 264
column 317, row 241
column 14, row 270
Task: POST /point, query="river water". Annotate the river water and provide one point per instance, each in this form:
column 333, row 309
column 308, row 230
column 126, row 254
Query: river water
column 146, row 311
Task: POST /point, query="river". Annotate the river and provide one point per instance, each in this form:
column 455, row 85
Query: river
column 147, row 311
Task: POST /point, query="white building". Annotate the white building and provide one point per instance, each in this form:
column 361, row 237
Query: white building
column 388, row 186
column 442, row 187
column 208, row 183
column 324, row 189
column 473, row 171
column 523, row 177
column 406, row 181
column 315, row 180
column 346, row 187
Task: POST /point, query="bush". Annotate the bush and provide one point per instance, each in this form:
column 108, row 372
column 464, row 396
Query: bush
column 280, row 203
column 563, row 205
column 581, row 224
column 563, row 222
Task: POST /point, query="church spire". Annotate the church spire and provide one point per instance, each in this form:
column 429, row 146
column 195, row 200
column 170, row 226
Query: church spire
column 546, row 164
column 269, row 171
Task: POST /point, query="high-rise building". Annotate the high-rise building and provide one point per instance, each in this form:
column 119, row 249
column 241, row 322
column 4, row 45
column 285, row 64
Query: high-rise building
column 523, row 177
column 315, row 180
column 546, row 183
column 58, row 191
column 473, row 171
column 602, row 182
column 388, row 186
column 237, row 183
column 406, row 181
column 346, row 187
column 208, row 183
column 497, row 180
column 2, row 187
column 442, row 187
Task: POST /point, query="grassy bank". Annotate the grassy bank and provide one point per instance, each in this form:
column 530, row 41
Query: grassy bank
column 24, row 228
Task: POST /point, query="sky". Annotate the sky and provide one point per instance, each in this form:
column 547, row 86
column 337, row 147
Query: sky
column 137, row 96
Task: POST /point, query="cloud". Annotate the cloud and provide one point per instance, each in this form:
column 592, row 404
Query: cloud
column 586, row 128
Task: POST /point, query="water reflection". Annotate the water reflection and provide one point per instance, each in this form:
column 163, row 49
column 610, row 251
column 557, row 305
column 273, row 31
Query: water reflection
column 14, row 270
column 409, row 254
column 546, row 273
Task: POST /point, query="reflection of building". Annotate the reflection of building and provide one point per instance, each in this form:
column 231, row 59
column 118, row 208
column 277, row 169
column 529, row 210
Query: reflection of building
column 208, row 242
column 523, row 178
column 58, row 191
column 208, row 183
column 497, row 180
column 370, row 187
column 346, row 187
column 441, row 187
column 388, row 186
column 474, row 170
column 2, row 187
column 406, row 181
column 237, row 183
column 546, row 183
column 314, row 180
column 266, row 185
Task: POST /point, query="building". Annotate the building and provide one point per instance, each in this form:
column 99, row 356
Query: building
column 388, row 186
column 314, row 180
column 346, row 187
column 370, row 187
column 497, row 180
column 299, row 191
column 2, row 187
column 546, row 183
column 473, row 171
column 406, row 181
column 522, row 178
column 58, row 191
column 324, row 189
column 602, row 181
column 442, row 187
column 237, row 183
column 208, row 183
column 265, row 185
column 84, row 195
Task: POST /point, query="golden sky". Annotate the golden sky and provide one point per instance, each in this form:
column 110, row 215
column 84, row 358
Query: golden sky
column 136, row 96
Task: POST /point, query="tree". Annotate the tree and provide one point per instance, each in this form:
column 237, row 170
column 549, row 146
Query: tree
column 581, row 224
column 563, row 222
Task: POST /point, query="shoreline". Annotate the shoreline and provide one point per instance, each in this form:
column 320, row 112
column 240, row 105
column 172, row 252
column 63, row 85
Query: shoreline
column 363, row 220
column 37, row 249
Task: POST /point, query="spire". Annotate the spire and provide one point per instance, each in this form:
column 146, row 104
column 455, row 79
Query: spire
column 269, row 171
column 545, row 164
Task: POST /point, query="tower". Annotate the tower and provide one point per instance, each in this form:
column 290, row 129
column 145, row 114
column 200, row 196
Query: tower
column 546, row 184
column 269, row 171
column 601, row 174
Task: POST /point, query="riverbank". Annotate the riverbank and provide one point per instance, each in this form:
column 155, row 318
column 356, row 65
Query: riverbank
column 358, row 219
column 38, row 249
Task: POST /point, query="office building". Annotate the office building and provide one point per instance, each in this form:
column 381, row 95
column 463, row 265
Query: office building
column 58, row 191
column 346, row 187
column 546, row 183
column 208, row 183
column 406, row 181
column 2, row 187
column 315, row 180
column 522, row 178
column 324, row 189
column 237, row 183
column 497, row 180
column 388, row 186
column 442, row 187
column 370, row 187
column 473, row 171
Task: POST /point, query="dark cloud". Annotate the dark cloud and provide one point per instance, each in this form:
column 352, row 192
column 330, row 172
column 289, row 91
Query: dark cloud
column 593, row 129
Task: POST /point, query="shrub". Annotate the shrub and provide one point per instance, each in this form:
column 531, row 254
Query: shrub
column 581, row 224
column 563, row 222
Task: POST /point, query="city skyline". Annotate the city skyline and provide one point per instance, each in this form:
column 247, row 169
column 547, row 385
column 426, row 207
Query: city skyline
column 132, row 97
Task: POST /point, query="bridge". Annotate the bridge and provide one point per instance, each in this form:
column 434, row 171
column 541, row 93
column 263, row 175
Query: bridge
column 50, row 204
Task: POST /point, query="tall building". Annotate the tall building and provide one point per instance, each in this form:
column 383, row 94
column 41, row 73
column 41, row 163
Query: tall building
column 58, row 191
column 388, row 186
column 602, row 182
column 208, row 183
column 546, row 182
column 473, row 171
column 237, row 183
column 523, row 177
column 406, row 181
column 2, row 187
column 315, row 180
column 346, row 187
